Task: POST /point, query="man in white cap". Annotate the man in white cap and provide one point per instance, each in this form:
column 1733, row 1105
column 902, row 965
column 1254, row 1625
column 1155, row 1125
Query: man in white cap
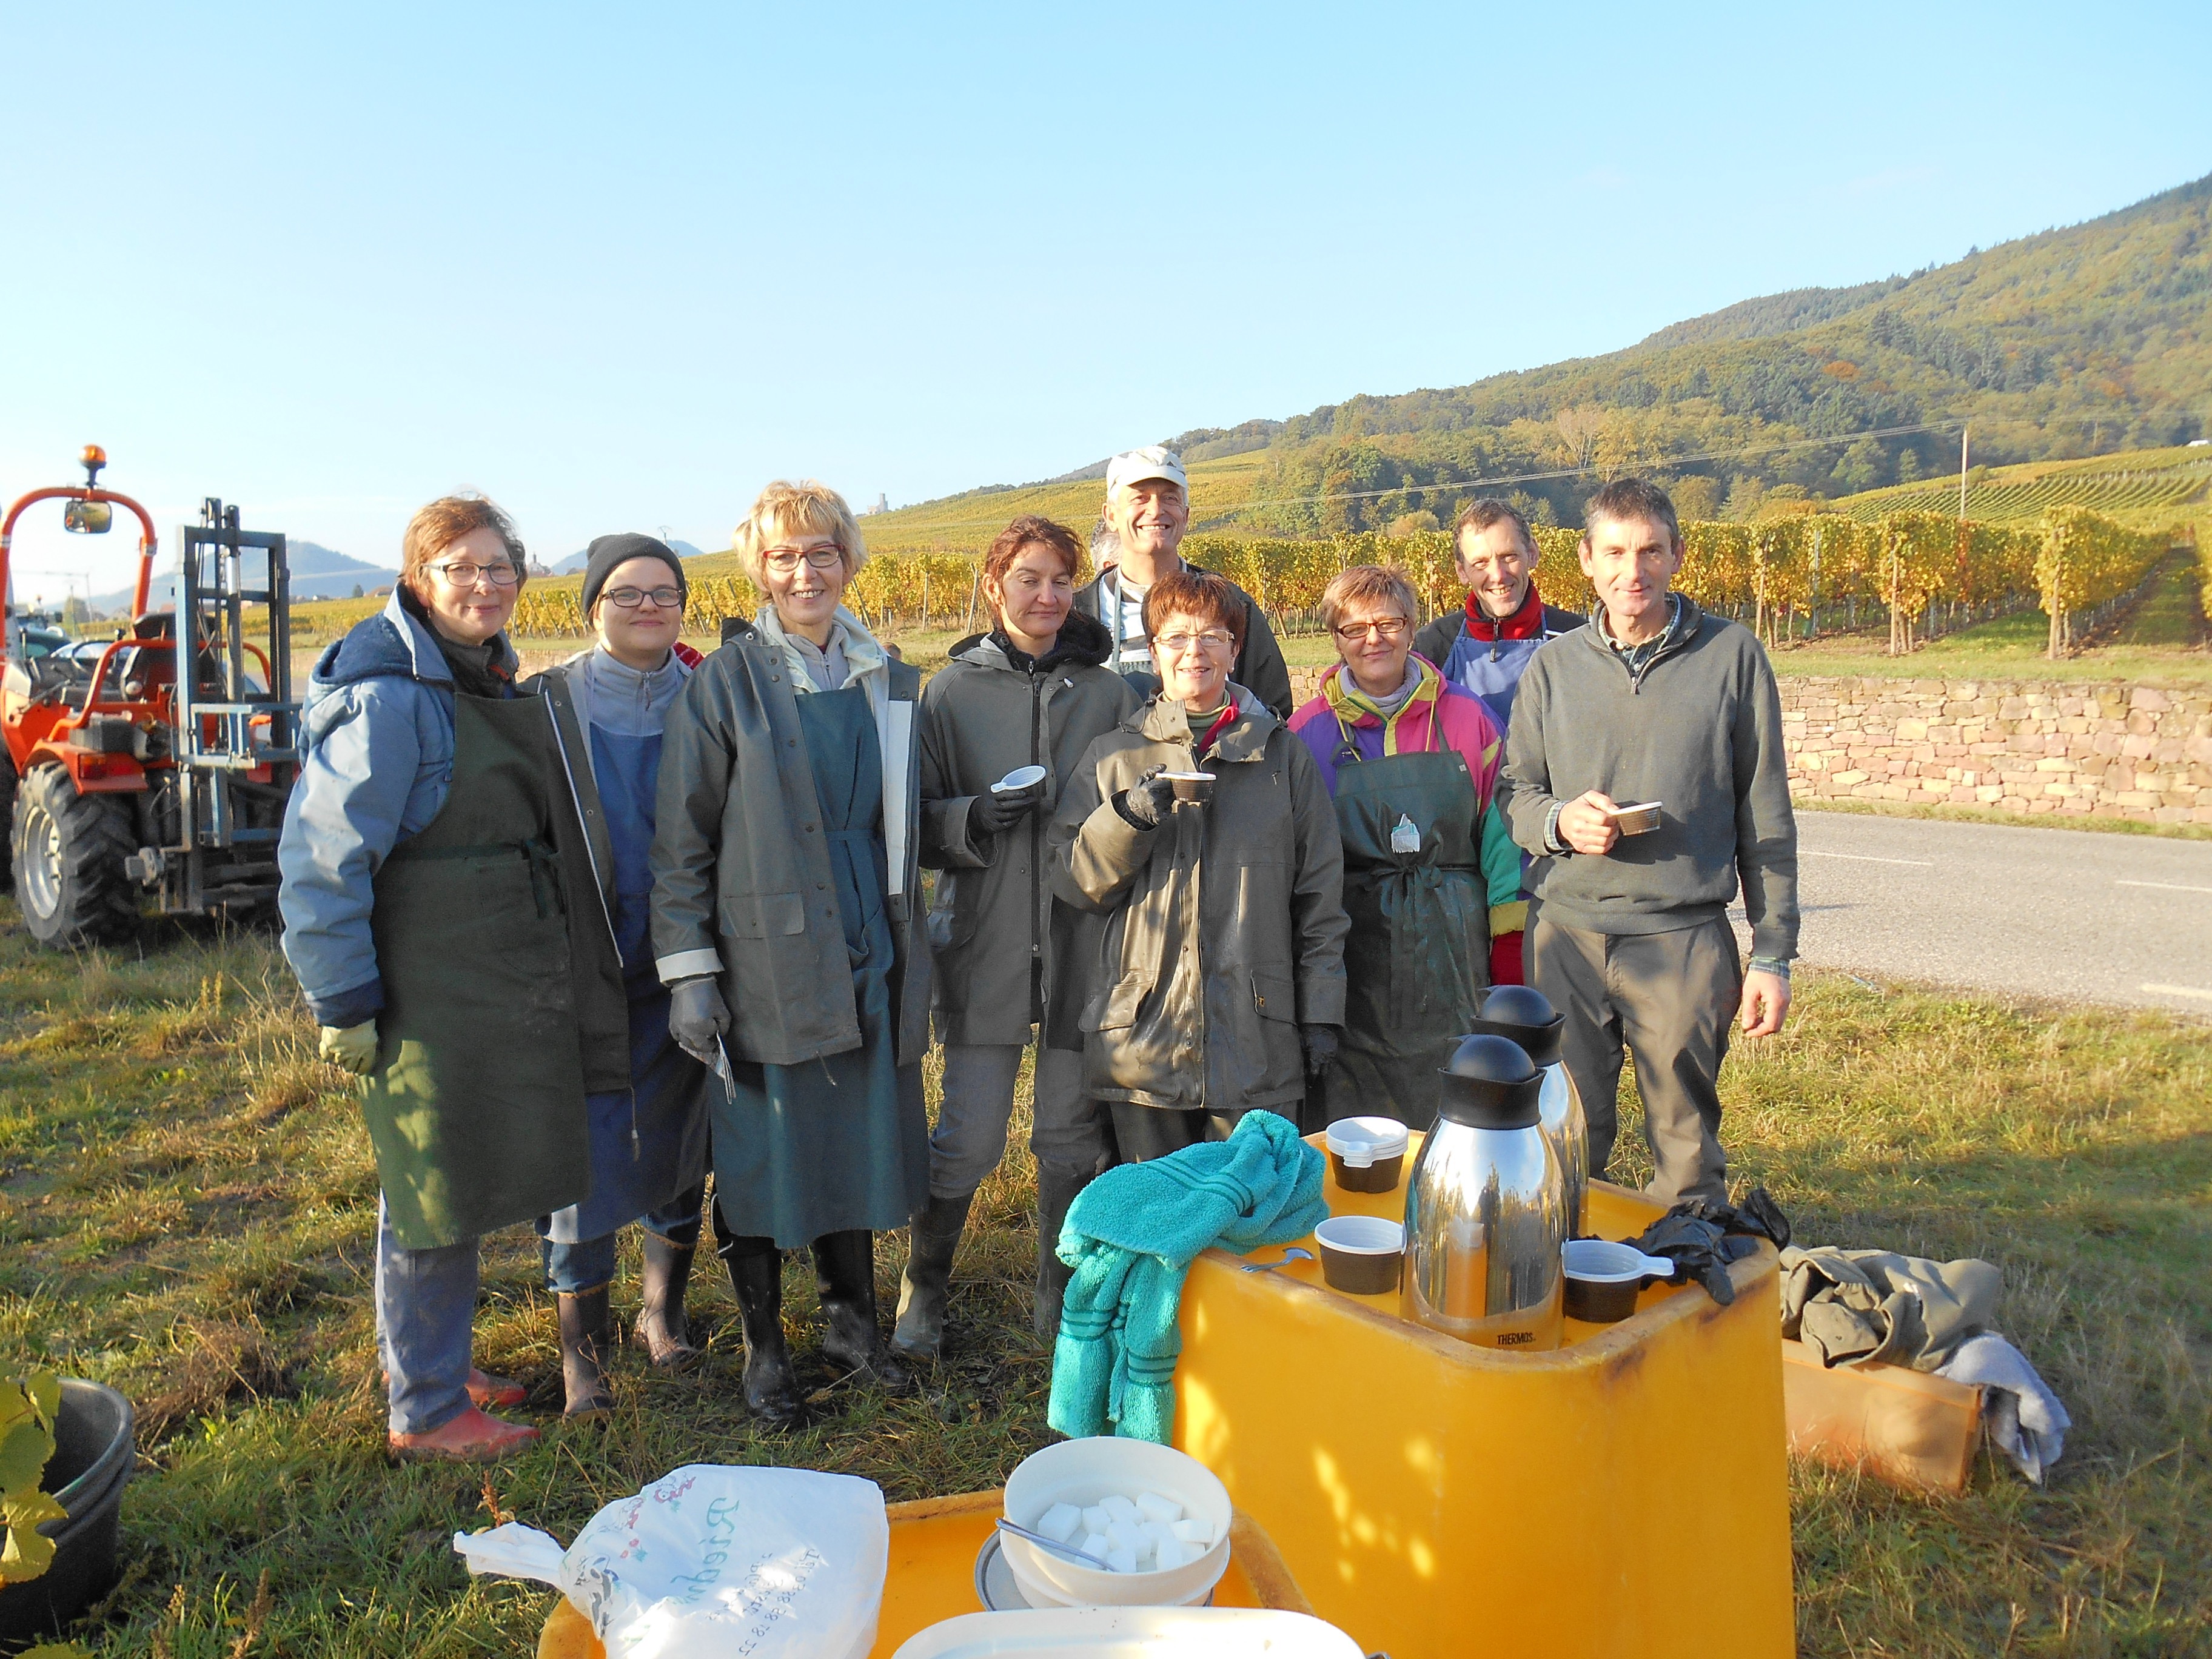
column 1147, row 510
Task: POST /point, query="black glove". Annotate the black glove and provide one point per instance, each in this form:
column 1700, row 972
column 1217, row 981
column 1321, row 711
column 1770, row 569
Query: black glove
column 1702, row 1239
column 1320, row 1048
column 1758, row 1215
column 697, row 1017
column 1147, row 801
column 991, row 812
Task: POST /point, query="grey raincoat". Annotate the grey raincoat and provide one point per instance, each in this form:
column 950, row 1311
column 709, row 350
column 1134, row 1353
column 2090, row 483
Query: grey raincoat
column 1225, row 925
column 993, row 926
column 742, row 879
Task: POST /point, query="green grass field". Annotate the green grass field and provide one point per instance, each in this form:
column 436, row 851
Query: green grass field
column 186, row 1203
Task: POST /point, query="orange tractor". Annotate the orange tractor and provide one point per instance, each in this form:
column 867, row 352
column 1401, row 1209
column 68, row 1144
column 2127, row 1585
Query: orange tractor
column 152, row 768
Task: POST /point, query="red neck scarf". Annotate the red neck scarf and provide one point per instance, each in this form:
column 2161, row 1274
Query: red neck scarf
column 1526, row 624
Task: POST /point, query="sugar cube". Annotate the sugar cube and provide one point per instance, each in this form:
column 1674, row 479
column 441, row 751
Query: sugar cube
column 1154, row 1507
column 1059, row 1521
column 1095, row 1546
column 1172, row 1555
column 1122, row 1536
column 1192, row 1530
column 1095, row 1518
column 1120, row 1508
column 1121, row 1560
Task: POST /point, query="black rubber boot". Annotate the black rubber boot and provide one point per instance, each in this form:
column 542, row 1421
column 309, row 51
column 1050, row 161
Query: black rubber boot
column 586, row 1335
column 845, row 1275
column 919, row 1332
column 756, row 1277
column 662, row 1329
column 1057, row 1186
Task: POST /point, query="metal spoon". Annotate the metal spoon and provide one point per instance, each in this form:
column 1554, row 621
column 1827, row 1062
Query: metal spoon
column 1054, row 1547
column 1293, row 1254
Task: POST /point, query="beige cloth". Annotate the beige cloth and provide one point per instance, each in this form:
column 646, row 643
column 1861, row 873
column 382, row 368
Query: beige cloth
column 1853, row 1306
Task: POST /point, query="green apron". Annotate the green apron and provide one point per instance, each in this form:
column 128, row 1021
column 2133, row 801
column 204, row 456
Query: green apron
column 477, row 1106
column 1417, row 959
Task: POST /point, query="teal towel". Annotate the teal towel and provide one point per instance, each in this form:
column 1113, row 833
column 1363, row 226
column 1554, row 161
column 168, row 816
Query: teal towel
column 1131, row 1235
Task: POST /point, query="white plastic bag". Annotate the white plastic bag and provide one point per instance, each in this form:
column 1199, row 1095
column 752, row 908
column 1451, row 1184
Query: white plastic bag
column 711, row 1560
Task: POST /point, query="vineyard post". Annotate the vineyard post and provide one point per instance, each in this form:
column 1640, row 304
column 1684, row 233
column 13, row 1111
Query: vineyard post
column 925, row 595
column 1812, row 594
column 1963, row 431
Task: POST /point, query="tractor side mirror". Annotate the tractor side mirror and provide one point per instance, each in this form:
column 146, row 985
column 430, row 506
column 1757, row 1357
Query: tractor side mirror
column 89, row 517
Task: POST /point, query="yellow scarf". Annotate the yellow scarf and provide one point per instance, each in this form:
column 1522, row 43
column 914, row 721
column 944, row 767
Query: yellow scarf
column 1349, row 703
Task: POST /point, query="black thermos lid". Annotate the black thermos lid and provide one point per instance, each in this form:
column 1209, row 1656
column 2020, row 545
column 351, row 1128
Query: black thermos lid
column 1524, row 1014
column 1490, row 1083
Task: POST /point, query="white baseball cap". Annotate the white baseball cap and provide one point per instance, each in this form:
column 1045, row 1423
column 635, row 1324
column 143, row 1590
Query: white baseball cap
column 1152, row 461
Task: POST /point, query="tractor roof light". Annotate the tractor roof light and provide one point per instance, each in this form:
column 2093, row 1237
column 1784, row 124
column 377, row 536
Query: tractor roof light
column 92, row 458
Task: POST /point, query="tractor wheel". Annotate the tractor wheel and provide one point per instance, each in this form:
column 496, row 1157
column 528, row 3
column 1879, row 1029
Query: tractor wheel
column 7, row 819
column 69, row 854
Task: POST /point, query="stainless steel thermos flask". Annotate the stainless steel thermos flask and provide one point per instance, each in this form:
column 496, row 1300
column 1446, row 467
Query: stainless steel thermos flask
column 1485, row 1206
column 1524, row 1014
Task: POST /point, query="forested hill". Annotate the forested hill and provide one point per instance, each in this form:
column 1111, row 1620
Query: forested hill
column 2076, row 342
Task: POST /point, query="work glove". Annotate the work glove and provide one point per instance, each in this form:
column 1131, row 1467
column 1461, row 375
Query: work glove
column 351, row 1047
column 697, row 1017
column 1320, row 1048
column 990, row 812
column 1148, row 801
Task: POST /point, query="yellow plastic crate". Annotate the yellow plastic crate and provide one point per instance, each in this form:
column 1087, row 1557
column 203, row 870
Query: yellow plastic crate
column 1626, row 1494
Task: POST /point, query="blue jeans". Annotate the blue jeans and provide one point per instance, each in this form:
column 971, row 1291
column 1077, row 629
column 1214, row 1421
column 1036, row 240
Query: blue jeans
column 426, row 1307
column 572, row 1269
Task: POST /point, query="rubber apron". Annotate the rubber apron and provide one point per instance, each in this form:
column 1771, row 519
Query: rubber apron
column 477, row 1106
column 1417, row 959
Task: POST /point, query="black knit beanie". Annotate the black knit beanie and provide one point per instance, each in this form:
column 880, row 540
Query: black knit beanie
column 608, row 553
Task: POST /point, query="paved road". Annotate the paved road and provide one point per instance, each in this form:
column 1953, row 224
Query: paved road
column 2057, row 913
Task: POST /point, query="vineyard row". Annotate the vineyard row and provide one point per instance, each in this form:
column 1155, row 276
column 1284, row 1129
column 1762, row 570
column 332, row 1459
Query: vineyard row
column 1773, row 575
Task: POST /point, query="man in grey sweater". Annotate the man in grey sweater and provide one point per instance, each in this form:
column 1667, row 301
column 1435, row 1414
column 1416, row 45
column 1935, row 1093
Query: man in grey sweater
column 1655, row 702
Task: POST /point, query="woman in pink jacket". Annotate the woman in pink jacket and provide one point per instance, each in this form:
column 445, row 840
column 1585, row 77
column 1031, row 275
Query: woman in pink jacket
column 1411, row 763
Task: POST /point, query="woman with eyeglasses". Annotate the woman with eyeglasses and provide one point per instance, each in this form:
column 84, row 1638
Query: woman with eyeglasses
column 1411, row 762
column 441, row 914
column 1200, row 828
column 786, row 921
column 1024, row 699
column 649, row 1138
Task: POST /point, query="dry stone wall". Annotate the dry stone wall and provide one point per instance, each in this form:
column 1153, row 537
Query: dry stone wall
column 2089, row 750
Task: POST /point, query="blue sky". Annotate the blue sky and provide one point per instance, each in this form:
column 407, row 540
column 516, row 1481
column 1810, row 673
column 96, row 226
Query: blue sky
column 617, row 267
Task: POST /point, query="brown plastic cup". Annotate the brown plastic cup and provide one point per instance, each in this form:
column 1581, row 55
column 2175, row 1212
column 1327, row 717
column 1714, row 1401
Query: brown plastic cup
column 1366, row 1154
column 1361, row 1255
column 1604, row 1278
column 1192, row 785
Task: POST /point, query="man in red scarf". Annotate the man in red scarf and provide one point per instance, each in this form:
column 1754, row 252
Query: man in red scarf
column 1486, row 647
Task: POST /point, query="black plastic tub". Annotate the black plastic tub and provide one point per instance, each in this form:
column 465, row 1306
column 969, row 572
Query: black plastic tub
column 94, row 1453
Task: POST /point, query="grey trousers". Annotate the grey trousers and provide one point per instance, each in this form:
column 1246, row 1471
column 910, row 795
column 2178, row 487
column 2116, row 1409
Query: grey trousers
column 1672, row 999
column 1066, row 1127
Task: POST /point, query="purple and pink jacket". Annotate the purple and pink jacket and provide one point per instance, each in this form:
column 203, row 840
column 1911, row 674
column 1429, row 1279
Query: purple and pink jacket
column 1439, row 715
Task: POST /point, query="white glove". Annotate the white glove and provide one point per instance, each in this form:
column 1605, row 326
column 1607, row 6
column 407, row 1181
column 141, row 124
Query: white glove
column 352, row 1048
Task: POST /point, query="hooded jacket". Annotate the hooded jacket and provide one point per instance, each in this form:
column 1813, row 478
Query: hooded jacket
column 993, row 927
column 377, row 737
column 1224, row 923
column 1259, row 667
column 742, row 885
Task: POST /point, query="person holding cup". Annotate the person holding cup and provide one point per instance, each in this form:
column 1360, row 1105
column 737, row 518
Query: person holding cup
column 1003, row 728
column 1411, row 763
column 1661, row 705
column 1200, row 828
